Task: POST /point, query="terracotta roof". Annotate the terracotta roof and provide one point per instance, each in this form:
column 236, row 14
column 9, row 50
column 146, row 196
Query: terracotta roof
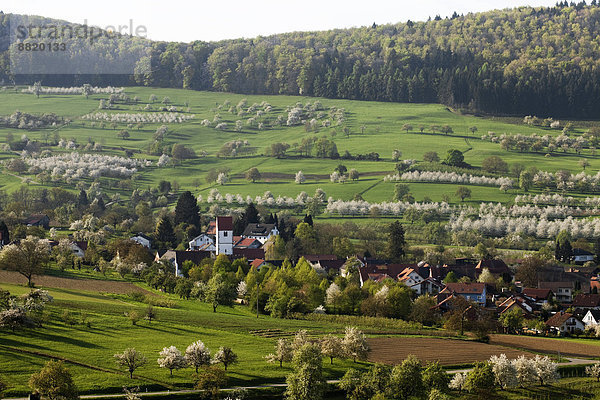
column 391, row 270
column 465, row 288
column 558, row 319
column 225, row 223
column 257, row 262
column 212, row 228
column 537, row 294
column 246, row 242
column 587, row 300
column 34, row 219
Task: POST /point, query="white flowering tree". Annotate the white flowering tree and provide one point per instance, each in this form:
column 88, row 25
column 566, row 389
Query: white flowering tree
column 222, row 178
column 226, row 356
column 332, row 347
column 300, row 179
column 593, row 371
column 525, row 368
column 355, row 344
column 283, row 352
column 545, row 370
column 504, row 371
column 458, row 381
column 131, row 359
column 333, row 295
column 197, row 355
column 171, row 358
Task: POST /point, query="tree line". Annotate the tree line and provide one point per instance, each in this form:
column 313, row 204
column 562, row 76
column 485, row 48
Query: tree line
column 540, row 61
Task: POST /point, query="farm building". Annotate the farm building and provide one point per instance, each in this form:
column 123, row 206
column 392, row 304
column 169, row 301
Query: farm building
column 587, row 301
column 563, row 322
column 41, row 220
column 476, row 292
column 581, row 256
column 260, row 232
column 141, row 239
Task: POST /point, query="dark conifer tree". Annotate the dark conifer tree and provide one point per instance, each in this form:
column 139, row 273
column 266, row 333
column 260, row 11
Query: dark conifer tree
column 82, row 199
column 165, row 236
column 187, row 211
column 396, row 241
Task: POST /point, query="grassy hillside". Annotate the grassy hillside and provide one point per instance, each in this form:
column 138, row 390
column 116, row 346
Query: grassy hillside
column 374, row 127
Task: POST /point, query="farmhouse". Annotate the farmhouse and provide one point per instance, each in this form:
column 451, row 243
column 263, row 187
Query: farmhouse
column 587, row 301
column 563, row 322
column 496, row 266
column 141, row 239
column 539, row 296
column 562, row 290
column 476, row 292
column 591, row 317
column 178, row 257
column 581, row 256
column 38, row 220
column 260, row 232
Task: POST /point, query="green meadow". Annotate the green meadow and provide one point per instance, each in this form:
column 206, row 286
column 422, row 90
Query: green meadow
column 374, row 127
column 89, row 349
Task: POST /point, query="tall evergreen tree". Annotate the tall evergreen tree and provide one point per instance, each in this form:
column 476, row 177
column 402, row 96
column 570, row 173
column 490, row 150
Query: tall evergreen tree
column 187, row 210
column 165, row 236
column 82, row 199
column 4, row 234
column 396, row 241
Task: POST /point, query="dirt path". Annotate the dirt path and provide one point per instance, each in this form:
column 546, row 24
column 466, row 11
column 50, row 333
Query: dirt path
column 90, row 285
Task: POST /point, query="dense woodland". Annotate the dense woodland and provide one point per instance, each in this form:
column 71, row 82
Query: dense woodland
column 541, row 61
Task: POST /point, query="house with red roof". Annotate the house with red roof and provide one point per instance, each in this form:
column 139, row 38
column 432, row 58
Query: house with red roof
column 564, row 322
column 476, row 292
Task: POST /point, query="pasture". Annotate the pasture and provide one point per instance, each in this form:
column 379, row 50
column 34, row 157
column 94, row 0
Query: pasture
column 372, row 126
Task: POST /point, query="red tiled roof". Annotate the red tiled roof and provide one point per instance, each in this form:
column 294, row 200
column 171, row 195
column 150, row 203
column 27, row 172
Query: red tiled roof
column 537, row 294
column 465, row 288
column 225, row 223
column 587, row 300
column 212, row 228
column 245, row 242
column 558, row 319
column 257, row 262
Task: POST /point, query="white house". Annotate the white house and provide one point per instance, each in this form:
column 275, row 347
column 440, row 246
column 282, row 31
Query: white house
column 141, row 239
column 224, row 236
column 592, row 317
column 79, row 248
column 410, row 277
column 260, row 232
column 581, row 256
column 563, row 322
column 200, row 241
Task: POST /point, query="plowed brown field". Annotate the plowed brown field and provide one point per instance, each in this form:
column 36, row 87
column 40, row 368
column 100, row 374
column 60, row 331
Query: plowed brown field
column 548, row 345
column 90, row 285
column 394, row 350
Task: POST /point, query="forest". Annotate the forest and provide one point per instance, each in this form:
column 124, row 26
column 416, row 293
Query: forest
column 540, row 61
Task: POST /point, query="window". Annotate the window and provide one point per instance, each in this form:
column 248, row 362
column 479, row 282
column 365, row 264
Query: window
column 225, row 234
